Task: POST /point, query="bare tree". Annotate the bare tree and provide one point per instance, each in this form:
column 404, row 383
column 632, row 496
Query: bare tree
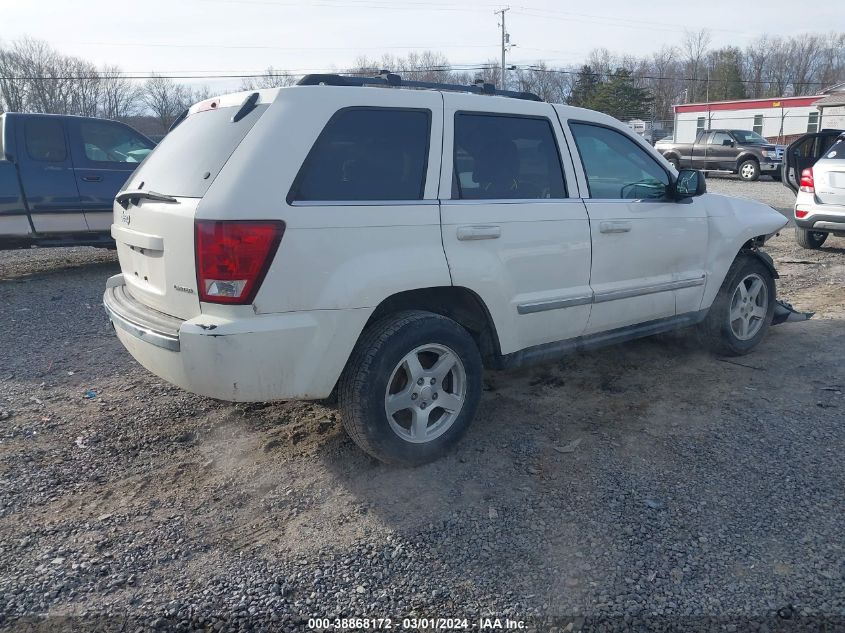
column 424, row 66
column 86, row 89
column 694, row 49
column 165, row 99
column 47, row 76
column 667, row 83
column 271, row 78
column 756, row 57
column 13, row 96
column 119, row 97
column 547, row 83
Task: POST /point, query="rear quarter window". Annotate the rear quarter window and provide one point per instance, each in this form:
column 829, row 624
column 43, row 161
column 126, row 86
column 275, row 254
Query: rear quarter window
column 836, row 151
column 191, row 156
column 45, row 140
column 367, row 154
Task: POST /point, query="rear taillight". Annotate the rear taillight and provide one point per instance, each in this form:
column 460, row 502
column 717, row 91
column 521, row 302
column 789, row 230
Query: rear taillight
column 801, row 213
column 807, row 183
column 233, row 257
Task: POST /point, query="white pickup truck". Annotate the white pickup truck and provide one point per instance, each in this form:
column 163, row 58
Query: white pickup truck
column 384, row 240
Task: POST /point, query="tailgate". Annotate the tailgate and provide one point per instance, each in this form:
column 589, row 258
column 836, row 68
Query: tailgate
column 829, row 174
column 155, row 238
column 830, row 181
column 155, row 245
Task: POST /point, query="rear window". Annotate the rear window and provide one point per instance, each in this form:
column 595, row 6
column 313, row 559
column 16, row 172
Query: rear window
column 837, row 150
column 45, row 140
column 189, row 158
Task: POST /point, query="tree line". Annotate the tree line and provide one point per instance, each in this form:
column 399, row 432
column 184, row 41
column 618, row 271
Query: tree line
column 34, row 77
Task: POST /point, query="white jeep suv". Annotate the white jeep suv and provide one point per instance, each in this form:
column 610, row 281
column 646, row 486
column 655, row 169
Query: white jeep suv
column 384, row 240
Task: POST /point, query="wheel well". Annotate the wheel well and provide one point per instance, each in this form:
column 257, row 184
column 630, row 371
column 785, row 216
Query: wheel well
column 746, row 157
column 752, row 248
column 455, row 302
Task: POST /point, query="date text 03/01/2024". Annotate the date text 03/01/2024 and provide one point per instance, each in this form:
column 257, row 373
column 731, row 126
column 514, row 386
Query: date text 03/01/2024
column 446, row 624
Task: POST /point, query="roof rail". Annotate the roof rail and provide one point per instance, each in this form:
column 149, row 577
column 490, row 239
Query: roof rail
column 392, row 80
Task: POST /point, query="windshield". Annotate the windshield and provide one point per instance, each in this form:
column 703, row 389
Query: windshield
column 191, row 156
column 746, row 137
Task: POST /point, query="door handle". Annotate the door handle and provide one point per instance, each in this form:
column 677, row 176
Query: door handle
column 487, row 232
column 92, row 178
column 614, row 227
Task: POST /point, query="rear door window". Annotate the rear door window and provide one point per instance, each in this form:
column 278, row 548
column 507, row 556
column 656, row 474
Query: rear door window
column 720, row 138
column 191, row 156
column 506, row 157
column 367, row 154
column 45, row 140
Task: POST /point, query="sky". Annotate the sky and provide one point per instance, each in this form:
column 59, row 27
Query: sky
column 246, row 36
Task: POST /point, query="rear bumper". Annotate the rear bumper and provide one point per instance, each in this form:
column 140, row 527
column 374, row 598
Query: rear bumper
column 820, row 217
column 293, row 355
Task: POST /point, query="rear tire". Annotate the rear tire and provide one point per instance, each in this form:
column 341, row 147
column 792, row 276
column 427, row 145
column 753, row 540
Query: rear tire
column 411, row 387
column 675, row 163
column 742, row 311
column 809, row 239
column 749, row 170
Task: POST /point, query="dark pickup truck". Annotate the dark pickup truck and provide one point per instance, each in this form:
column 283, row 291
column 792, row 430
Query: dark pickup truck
column 736, row 151
column 59, row 175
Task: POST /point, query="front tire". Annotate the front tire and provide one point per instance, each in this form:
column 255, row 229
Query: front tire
column 749, row 170
column 776, row 175
column 809, row 239
column 742, row 311
column 411, row 387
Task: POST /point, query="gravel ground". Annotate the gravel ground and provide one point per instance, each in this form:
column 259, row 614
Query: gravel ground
column 648, row 485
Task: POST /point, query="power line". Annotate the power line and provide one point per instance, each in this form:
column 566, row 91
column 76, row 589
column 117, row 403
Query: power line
column 370, row 4
column 278, row 48
column 257, row 75
column 530, row 11
column 659, row 78
column 609, row 20
column 441, row 68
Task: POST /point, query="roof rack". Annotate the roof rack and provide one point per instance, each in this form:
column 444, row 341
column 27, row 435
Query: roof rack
column 386, row 78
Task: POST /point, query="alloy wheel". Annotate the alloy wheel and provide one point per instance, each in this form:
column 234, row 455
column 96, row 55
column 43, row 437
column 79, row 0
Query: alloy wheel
column 749, row 307
column 425, row 393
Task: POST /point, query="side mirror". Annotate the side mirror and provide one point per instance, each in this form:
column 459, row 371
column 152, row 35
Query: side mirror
column 728, row 142
column 690, row 183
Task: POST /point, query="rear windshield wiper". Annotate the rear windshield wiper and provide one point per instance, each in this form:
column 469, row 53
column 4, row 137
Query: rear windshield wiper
column 247, row 106
column 125, row 197
column 177, row 121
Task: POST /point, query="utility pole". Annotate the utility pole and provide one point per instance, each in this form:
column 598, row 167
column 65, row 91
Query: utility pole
column 505, row 42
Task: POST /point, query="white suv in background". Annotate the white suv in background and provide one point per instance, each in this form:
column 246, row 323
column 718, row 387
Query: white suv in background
column 820, row 203
column 355, row 237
